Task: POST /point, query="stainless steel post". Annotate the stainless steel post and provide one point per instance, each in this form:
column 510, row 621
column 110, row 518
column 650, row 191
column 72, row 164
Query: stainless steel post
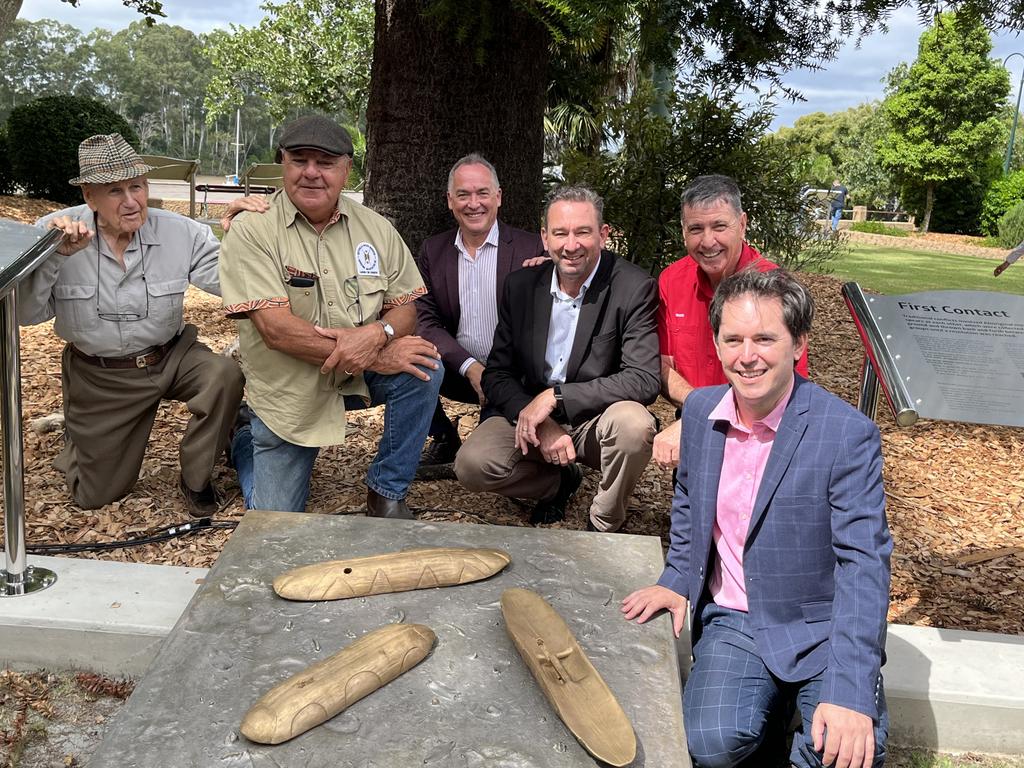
column 867, row 403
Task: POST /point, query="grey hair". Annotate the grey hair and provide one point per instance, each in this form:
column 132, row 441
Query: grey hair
column 473, row 158
column 797, row 303
column 575, row 194
column 708, row 190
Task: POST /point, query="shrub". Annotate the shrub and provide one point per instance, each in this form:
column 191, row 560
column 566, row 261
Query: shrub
column 1011, row 227
column 1001, row 197
column 877, row 228
column 6, row 182
column 44, row 135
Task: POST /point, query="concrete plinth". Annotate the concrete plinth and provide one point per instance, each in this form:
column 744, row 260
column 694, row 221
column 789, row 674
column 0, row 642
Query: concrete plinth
column 470, row 703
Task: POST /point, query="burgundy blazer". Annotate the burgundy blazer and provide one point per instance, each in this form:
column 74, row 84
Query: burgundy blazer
column 438, row 312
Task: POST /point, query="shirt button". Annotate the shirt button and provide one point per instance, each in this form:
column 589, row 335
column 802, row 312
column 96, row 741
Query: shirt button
column 326, row 271
column 330, row 303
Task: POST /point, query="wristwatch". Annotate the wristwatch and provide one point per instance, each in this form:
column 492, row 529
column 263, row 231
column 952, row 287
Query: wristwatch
column 388, row 330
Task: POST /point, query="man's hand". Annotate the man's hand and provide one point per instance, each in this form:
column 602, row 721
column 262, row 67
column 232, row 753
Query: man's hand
column 254, row 203
column 847, row 737
column 355, row 349
column 536, row 261
column 475, row 374
column 405, row 354
column 77, row 234
column 555, row 443
column 531, row 417
column 644, row 603
column 666, row 445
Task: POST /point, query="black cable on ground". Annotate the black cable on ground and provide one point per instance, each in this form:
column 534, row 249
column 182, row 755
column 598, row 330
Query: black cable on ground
column 154, row 537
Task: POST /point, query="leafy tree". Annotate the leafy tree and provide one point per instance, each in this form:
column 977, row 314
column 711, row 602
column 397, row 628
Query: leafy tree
column 1002, row 195
column 442, row 83
column 944, row 113
column 304, row 54
column 656, row 156
column 53, row 127
column 42, row 58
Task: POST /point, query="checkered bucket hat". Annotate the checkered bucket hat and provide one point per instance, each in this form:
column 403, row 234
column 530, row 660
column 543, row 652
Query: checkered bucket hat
column 106, row 158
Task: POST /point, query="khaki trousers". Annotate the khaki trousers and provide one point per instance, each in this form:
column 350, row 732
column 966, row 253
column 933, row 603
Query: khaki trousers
column 109, row 412
column 618, row 443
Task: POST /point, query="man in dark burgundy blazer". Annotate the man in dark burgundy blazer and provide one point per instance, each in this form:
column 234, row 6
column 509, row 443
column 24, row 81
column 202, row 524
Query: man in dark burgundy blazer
column 464, row 270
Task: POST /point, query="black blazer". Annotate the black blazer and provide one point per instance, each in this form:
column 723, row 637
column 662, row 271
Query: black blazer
column 614, row 354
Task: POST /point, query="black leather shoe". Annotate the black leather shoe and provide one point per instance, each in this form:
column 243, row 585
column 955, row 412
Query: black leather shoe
column 440, row 450
column 202, row 503
column 380, row 506
column 553, row 510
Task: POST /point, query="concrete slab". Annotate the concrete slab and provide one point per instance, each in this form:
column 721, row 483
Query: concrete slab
column 101, row 616
column 471, row 702
column 953, row 690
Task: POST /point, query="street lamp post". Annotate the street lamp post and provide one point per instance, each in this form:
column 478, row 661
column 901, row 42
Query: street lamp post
column 1016, row 114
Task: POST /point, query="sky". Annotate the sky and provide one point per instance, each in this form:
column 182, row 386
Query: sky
column 853, row 78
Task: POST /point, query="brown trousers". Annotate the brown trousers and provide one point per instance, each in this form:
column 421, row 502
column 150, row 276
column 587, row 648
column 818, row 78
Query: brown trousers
column 618, row 443
column 108, row 415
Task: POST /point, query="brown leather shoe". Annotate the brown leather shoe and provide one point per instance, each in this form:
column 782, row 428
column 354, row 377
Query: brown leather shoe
column 381, row 506
column 204, row 503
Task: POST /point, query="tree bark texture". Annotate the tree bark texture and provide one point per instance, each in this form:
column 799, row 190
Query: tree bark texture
column 9, row 10
column 431, row 102
column 928, row 205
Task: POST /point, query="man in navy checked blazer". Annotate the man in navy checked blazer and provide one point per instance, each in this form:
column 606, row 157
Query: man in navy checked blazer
column 779, row 546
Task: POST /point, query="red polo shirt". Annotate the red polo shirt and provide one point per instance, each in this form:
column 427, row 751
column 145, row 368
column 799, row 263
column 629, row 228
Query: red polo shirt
column 684, row 331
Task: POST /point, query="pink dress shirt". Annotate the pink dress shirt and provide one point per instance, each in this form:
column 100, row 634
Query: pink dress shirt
column 746, row 455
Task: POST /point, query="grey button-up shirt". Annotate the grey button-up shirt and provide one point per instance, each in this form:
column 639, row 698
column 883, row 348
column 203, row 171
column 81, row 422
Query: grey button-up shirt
column 167, row 253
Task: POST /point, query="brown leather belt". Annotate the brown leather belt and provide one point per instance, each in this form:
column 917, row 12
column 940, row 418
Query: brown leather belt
column 150, row 357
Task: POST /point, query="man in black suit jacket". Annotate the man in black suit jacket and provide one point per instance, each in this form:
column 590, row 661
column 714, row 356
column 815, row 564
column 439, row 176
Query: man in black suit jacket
column 574, row 362
column 458, row 315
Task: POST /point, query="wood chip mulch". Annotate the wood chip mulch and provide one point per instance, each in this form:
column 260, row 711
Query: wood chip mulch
column 955, row 491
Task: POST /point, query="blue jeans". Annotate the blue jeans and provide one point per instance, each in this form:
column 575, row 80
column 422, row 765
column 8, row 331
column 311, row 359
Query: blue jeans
column 732, row 700
column 274, row 473
column 837, row 214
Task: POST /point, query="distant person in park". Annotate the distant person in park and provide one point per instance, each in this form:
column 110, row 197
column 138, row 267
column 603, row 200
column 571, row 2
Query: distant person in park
column 779, row 549
column 573, row 365
column 323, row 290
column 714, row 227
column 117, row 299
column 838, row 193
column 464, row 270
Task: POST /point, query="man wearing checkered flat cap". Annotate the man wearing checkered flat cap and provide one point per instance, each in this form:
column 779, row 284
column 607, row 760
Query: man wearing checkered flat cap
column 116, row 286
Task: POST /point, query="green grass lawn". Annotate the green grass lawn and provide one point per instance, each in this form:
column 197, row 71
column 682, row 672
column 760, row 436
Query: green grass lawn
column 894, row 271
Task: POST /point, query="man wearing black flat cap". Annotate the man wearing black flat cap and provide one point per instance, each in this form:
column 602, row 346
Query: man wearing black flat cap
column 323, row 289
column 116, row 287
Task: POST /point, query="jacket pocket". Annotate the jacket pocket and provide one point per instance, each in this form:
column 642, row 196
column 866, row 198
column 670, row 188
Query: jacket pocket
column 819, row 610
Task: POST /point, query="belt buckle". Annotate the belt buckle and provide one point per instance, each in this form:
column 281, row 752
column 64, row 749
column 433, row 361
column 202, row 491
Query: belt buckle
column 141, row 362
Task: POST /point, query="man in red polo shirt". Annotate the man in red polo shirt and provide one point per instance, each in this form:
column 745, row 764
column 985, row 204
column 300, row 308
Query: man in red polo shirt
column 714, row 226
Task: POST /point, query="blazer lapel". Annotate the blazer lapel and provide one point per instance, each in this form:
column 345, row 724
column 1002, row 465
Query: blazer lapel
column 714, row 454
column 451, row 282
column 540, row 315
column 590, row 312
column 791, row 432
column 504, row 265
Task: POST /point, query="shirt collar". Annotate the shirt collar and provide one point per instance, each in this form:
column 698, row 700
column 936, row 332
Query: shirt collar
column 726, row 411
column 291, row 213
column 491, row 239
column 558, row 293
column 748, row 255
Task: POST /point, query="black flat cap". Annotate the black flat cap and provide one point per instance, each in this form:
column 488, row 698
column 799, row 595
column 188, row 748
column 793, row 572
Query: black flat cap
column 315, row 132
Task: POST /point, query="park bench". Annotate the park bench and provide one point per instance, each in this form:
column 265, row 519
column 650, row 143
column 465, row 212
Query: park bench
column 175, row 169
column 258, row 179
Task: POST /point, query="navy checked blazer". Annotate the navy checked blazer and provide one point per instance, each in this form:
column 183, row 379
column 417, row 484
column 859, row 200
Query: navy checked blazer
column 816, row 558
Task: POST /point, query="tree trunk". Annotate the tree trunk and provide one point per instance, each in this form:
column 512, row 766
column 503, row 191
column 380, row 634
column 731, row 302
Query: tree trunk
column 929, row 203
column 9, row 10
column 430, row 104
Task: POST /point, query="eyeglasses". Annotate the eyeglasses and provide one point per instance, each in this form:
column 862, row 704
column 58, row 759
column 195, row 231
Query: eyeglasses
column 118, row 317
column 351, row 289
